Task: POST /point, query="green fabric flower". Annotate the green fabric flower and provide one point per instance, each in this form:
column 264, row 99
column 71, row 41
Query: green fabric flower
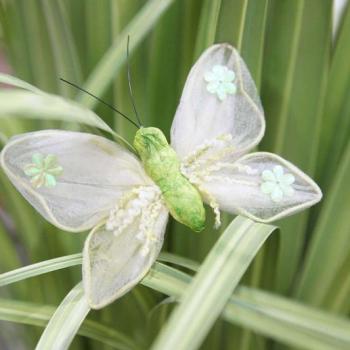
column 43, row 170
column 277, row 184
column 220, row 82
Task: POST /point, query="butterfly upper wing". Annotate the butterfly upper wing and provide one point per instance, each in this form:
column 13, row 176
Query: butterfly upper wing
column 88, row 175
column 202, row 116
column 211, row 134
column 113, row 264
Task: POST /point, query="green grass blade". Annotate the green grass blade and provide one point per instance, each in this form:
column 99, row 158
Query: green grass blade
column 24, row 104
column 295, row 72
column 40, row 268
column 113, row 59
column 335, row 118
column 97, row 29
column 12, row 29
column 178, row 260
column 337, row 299
column 287, row 321
column 207, row 25
column 11, row 80
column 232, row 21
column 163, row 67
column 253, row 38
column 36, row 45
column 63, row 47
column 73, row 260
column 39, row 315
column 265, row 313
column 330, row 239
column 261, row 312
column 211, row 288
column 66, row 320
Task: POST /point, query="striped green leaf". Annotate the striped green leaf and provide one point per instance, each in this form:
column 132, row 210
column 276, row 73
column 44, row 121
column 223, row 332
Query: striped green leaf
column 215, row 281
column 113, row 59
column 66, row 320
column 39, row 315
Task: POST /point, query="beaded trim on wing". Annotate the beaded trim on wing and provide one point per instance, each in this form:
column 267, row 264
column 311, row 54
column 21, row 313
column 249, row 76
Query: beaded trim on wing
column 142, row 205
column 211, row 156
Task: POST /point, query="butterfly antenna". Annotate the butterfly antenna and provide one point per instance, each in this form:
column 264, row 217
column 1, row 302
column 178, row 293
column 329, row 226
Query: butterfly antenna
column 129, row 82
column 98, row 99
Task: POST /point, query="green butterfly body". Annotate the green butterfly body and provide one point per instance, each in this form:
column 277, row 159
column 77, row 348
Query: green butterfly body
column 163, row 166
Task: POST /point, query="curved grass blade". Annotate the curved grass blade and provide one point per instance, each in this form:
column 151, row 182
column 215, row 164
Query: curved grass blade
column 178, row 260
column 287, row 321
column 205, row 298
column 25, row 104
column 276, row 317
column 14, row 81
column 40, row 268
column 39, row 315
column 261, row 312
column 66, row 321
column 63, row 262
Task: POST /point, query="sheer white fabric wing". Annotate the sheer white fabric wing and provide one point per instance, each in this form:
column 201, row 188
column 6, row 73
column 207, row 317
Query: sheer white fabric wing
column 113, row 264
column 262, row 186
column 206, row 111
column 73, row 179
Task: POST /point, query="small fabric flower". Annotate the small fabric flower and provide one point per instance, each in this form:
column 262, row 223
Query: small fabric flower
column 220, row 82
column 43, row 170
column 277, row 183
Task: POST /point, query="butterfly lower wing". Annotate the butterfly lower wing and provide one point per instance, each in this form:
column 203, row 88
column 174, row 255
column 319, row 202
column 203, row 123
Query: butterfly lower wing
column 219, row 98
column 262, row 186
column 114, row 262
column 73, row 179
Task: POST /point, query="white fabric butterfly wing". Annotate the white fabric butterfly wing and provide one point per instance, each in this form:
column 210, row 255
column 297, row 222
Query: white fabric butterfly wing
column 114, row 263
column 78, row 181
column 215, row 125
column 262, row 186
column 88, row 175
column 202, row 115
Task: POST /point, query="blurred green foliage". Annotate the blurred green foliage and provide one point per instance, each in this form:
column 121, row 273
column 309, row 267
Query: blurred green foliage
column 303, row 73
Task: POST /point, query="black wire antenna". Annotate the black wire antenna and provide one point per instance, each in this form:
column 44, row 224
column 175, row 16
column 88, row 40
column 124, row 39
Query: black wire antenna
column 105, row 103
column 129, row 82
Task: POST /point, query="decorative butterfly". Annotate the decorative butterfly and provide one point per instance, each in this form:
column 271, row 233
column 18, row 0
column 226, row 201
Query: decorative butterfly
column 79, row 181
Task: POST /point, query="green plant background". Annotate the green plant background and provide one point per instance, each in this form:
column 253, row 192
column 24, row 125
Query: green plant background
column 303, row 73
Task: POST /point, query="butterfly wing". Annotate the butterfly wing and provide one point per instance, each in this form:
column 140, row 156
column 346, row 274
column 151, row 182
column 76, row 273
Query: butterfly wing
column 203, row 116
column 211, row 131
column 73, row 179
column 262, row 186
column 113, row 263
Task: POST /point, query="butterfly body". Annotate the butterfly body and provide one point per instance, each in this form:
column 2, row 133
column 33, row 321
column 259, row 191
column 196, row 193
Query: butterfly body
column 163, row 167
